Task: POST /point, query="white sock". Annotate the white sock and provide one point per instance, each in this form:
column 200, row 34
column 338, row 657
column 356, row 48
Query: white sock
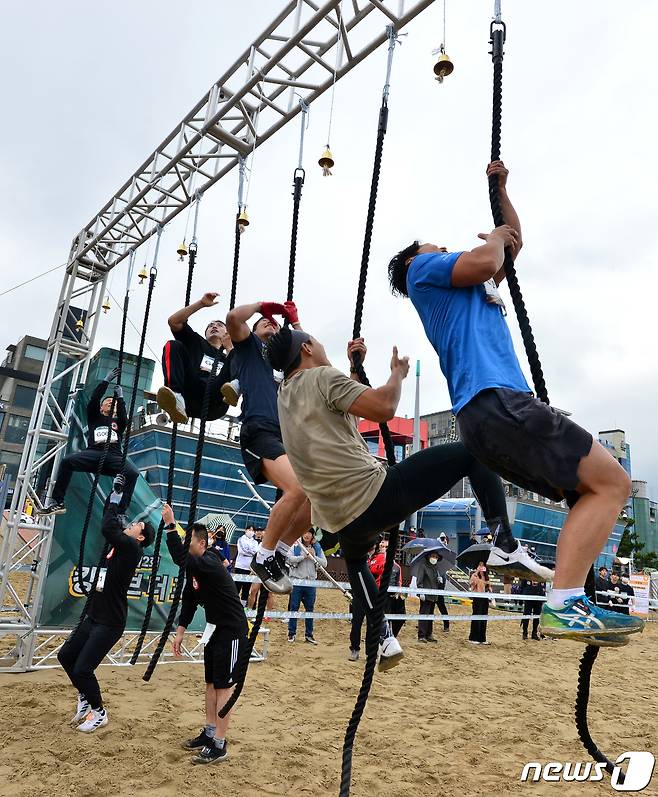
column 282, row 547
column 219, row 743
column 262, row 554
column 559, row 597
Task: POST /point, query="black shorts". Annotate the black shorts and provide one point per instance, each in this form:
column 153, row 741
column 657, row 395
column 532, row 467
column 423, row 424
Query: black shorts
column 220, row 659
column 259, row 440
column 525, row 441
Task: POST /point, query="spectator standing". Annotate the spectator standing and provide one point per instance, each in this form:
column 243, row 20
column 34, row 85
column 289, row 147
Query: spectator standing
column 620, row 594
column 302, row 565
column 602, row 584
column 427, row 577
column 221, row 546
column 479, row 583
column 247, row 547
column 531, row 607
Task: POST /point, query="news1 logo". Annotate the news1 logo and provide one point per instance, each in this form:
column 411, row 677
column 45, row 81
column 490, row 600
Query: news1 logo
column 634, row 776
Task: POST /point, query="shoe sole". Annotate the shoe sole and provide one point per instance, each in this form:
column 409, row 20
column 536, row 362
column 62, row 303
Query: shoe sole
column 202, row 761
column 612, row 641
column 388, row 662
column 41, row 513
column 93, row 730
column 167, row 402
column 518, row 570
column 583, row 635
column 275, row 586
column 229, row 395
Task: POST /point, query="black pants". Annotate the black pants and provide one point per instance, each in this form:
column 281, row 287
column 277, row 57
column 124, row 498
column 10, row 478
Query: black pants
column 534, row 608
column 87, row 462
column 365, row 591
column 184, row 377
column 416, row 482
column 396, row 606
column 425, row 626
column 83, row 651
column 479, row 627
column 243, row 586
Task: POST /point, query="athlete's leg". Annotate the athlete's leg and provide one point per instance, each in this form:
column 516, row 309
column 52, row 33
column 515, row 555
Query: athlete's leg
column 604, row 488
column 101, row 640
column 70, row 650
column 81, row 461
column 291, row 514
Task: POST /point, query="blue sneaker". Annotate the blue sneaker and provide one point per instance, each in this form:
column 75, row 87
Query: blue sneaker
column 582, row 620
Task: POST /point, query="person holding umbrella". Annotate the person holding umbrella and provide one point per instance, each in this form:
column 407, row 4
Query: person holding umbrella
column 429, row 566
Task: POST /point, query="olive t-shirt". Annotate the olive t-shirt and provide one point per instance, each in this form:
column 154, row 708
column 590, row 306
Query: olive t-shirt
column 330, row 458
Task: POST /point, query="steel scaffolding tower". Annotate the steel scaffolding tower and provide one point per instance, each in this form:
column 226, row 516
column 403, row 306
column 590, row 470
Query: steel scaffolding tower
column 305, row 49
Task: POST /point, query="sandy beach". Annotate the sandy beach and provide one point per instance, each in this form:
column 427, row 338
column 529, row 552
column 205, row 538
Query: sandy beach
column 452, row 719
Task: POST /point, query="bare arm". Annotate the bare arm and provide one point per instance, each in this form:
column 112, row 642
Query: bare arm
column 510, row 216
column 483, row 262
column 178, row 320
column 379, row 404
column 236, row 320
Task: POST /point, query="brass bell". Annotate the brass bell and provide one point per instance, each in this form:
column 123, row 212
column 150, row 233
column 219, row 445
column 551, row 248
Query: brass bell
column 443, row 67
column 326, row 161
column 142, row 275
column 106, row 304
column 181, row 251
column 243, row 220
column 79, row 325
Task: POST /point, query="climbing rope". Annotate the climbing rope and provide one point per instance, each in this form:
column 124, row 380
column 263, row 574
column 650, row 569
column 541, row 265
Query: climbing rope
column 101, row 463
column 148, row 611
column 498, row 32
column 196, row 475
column 238, row 231
column 374, row 627
column 131, row 411
column 298, row 182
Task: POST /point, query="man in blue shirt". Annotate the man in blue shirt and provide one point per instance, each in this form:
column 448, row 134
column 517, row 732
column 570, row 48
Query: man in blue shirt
column 260, row 437
column 505, row 427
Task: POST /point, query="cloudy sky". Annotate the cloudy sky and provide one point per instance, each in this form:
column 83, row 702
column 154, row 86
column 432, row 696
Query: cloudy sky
column 91, row 89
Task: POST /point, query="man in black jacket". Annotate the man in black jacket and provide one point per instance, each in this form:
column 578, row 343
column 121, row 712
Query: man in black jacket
column 99, row 424
column 105, row 621
column 207, row 583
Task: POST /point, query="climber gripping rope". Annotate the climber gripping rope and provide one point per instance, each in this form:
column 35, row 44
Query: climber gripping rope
column 187, row 362
column 260, row 437
column 350, row 491
column 505, row 427
column 105, row 416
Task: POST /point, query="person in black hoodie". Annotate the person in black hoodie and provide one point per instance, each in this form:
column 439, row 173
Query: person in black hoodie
column 428, row 577
column 99, row 424
column 208, row 584
column 107, row 611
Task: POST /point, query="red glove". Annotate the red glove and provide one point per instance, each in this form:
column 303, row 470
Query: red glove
column 291, row 312
column 269, row 309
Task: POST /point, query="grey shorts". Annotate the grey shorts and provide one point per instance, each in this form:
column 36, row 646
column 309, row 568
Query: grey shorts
column 525, row 441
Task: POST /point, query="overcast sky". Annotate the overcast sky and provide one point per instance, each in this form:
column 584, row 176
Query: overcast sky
column 91, row 89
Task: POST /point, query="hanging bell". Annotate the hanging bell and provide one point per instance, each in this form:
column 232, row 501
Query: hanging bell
column 181, row 251
column 243, row 220
column 444, row 66
column 106, row 304
column 79, row 325
column 326, row 161
column 142, row 275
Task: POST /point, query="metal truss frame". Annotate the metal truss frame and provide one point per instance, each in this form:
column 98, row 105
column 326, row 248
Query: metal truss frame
column 302, row 53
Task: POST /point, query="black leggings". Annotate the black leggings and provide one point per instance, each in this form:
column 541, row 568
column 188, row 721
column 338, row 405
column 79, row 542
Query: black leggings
column 87, row 462
column 243, row 587
column 416, row 482
column 83, row 651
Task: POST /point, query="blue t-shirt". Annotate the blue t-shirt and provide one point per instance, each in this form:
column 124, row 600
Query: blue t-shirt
column 259, row 388
column 469, row 334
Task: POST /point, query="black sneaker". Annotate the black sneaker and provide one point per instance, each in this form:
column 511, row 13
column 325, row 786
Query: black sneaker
column 202, row 740
column 432, row 639
column 271, row 574
column 211, row 754
column 282, row 562
column 53, row 508
column 311, row 640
